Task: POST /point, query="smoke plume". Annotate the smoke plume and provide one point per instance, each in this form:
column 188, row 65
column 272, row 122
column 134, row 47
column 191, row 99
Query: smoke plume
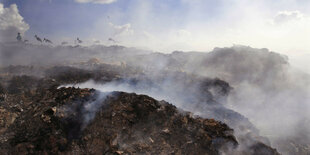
column 265, row 89
column 254, row 91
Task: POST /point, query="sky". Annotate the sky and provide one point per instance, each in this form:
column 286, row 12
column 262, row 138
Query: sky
column 282, row 26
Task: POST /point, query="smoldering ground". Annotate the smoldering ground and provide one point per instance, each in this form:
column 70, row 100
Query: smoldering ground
column 257, row 92
column 78, row 114
column 265, row 89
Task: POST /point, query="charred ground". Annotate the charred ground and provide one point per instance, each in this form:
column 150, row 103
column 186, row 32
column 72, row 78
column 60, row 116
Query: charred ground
column 237, row 86
column 37, row 117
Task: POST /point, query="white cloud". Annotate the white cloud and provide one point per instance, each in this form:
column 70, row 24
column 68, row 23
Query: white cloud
column 183, row 33
column 11, row 22
column 286, row 16
column 121, row 30
column 96, row 1
column 199, row 26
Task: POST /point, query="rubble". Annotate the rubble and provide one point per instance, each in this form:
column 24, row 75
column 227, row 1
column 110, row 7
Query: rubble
column 24, row 83
column 125, row 124
column 38, row 118
column 1, row 89
column 65, row 74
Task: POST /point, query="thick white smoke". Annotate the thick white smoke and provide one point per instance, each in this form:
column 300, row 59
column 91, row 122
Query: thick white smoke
column 82, row 113
column 266, row 90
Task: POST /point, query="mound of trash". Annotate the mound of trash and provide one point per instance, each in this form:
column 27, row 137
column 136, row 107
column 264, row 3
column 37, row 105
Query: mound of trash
column 39, row 117
column 86, row 121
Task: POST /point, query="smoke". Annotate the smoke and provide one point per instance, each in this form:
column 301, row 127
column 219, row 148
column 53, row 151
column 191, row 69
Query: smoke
column 200, row 96
column 42, row 55
column 190, row 93
column 254, row 91
column 90, row 108
column 265, row 89
column 79, row 114
column 261, row 87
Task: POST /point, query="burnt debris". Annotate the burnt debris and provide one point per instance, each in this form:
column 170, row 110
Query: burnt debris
column 37, row 117
column 123, row 124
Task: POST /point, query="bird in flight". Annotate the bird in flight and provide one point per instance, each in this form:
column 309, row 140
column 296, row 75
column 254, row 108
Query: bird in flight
column 47, row 40
column 38, row 38
column 79, row 41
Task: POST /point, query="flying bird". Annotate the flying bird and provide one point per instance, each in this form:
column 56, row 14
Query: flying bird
column 48, row 41
column 38, row 38
column 79, row 41
column 112, row 40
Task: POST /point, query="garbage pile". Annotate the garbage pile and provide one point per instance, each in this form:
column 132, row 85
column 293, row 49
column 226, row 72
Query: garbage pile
column 44, row 119
column 239, row 86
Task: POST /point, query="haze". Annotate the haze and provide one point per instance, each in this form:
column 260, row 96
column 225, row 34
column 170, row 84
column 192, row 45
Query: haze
column 165, row 26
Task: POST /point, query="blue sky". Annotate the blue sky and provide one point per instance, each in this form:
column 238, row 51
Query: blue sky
column 282, row 26
column 69, row 18
column 169, row 25
column 58, row 17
